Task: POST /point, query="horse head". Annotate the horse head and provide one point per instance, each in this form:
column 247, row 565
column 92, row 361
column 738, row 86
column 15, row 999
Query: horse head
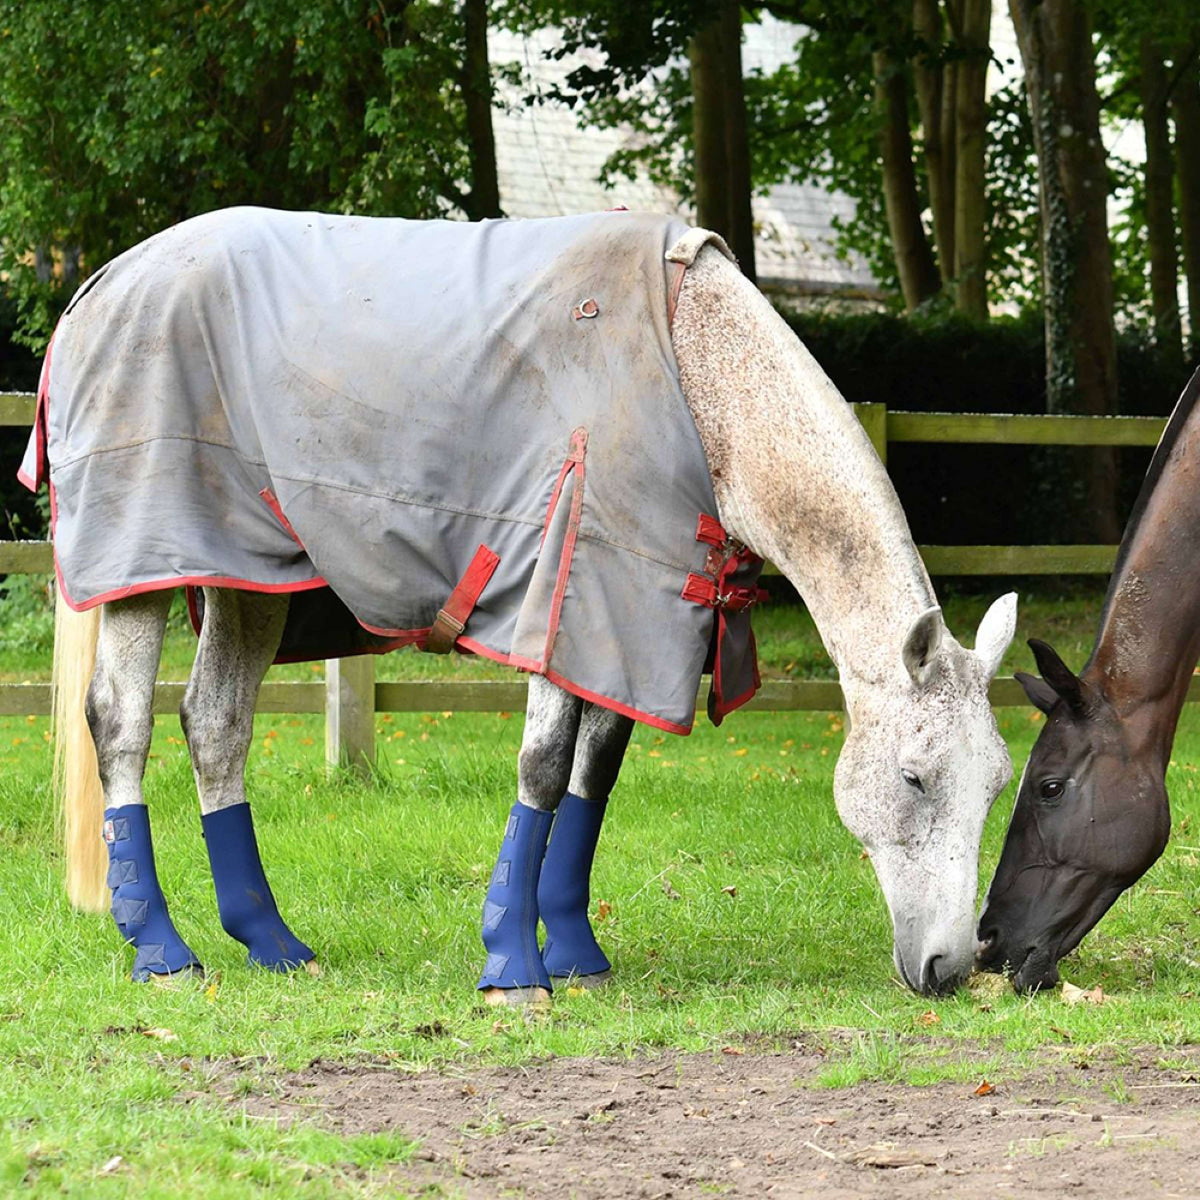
column 922, row 763
column 1091, row 818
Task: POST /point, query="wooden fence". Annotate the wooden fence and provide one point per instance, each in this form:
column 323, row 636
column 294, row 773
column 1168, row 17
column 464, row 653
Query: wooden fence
column 351, row 696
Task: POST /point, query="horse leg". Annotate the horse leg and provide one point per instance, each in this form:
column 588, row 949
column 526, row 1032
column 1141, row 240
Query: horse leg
column 237, row 643
column 571, row 950
column 119, row 714
column 514, row 973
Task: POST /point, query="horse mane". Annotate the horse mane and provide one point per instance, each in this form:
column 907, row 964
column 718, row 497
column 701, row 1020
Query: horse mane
column 1180, row 416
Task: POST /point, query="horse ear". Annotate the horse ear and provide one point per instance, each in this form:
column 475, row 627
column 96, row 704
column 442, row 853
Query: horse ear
column 996, row 631
column 1041, row 694
column 1057, row 674
column 922, row 644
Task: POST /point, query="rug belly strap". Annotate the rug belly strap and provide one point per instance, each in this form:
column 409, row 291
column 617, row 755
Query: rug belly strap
column 453, row 615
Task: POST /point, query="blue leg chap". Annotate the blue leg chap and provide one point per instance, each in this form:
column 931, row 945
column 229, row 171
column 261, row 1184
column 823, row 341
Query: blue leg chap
column 510, row 914
column 564, row 893
column 138, row 905
column 244, row 900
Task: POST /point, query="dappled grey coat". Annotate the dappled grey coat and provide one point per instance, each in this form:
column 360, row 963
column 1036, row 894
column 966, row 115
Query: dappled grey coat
column 372, row 413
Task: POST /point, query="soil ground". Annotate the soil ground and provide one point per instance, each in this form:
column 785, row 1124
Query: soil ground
column 749, row 1121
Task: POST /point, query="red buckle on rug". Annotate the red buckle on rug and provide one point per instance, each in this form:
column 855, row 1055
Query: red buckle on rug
column 453, row 615
column 699, row 589
column 710, row 531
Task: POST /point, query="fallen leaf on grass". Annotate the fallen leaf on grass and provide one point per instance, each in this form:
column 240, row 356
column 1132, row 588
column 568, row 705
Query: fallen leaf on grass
column 729, row 890
column 161, row 1035
column 732, row 1050
column 112, row 1165
column 984, row 1089
column 668, row 890
column 603, row 910
column 213, row 986
column 929, row 1017
column 1077, row 995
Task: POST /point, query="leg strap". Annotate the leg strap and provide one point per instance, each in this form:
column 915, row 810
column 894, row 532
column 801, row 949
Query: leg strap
column 510, row 914
column 138, row 905
column 244, row 900
column 564, row 891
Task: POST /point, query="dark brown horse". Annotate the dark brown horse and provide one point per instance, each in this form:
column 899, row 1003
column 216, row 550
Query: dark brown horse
column 1092, row 814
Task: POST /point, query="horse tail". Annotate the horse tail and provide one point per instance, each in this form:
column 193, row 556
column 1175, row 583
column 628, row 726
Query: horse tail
column 77, row 790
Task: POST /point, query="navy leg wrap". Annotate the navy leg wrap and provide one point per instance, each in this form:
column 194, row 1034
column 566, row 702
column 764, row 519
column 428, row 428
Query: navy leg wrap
column 510, row 914
column 138, row 905
column 564, row 892
column 244, row 900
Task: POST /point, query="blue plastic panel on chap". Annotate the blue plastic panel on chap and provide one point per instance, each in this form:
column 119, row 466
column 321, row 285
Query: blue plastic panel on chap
column 564, row 890
column 244, row 898
column 138, row 905
column 510, row 913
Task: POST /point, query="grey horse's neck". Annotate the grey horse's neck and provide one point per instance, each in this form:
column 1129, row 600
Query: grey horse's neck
column 795, row 476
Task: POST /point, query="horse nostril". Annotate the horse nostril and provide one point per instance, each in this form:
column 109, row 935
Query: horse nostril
column 929, row 974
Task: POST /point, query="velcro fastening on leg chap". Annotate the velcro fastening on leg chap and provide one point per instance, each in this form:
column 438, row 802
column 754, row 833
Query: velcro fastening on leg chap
column 510, row 914
column 138, row 905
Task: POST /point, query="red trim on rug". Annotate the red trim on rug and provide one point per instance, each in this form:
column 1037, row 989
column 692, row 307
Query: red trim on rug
column 272, row 502
column 407, row 637
column 566, row 684
column 161, row 585
column 40, row 432
column 579, row 440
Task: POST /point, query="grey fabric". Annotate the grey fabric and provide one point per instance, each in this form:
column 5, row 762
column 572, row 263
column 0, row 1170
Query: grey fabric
column 407, row 391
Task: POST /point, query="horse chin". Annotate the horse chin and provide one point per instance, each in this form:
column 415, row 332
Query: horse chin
column 1037, row 972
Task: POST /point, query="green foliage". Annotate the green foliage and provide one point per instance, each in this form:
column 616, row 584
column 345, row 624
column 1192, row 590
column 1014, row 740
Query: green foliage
column 934, row 362
column 135, row 114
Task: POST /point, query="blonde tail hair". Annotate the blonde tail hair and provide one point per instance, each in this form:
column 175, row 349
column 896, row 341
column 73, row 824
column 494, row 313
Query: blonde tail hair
column 77, row 790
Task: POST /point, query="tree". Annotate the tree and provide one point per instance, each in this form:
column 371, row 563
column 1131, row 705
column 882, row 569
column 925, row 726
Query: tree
column 722, row 155
column 1081, row 374
column 137, row 113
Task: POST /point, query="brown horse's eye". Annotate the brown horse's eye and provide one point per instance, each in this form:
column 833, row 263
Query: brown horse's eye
column 1051, row 789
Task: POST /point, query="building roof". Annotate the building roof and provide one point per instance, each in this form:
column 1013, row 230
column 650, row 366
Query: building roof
column 549, row 165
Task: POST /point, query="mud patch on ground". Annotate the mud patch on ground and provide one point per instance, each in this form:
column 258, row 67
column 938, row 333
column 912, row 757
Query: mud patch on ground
column 748, row 1121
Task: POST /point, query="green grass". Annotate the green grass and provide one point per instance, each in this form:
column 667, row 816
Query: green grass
column 386, row 882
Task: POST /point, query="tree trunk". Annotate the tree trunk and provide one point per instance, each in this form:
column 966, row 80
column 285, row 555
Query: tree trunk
column 1081, row 374
column 722, row 154
column 929, row 77
column 1185, row 108
column 1160, row 215
column 483, row 199
column 970, row 209
column 919, row 278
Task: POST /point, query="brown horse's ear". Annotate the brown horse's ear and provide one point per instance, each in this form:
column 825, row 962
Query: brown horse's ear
column 1058, row 675
column 1041, row 694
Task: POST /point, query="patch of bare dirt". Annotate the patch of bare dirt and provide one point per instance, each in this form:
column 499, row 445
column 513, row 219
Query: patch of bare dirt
column 748, row 1122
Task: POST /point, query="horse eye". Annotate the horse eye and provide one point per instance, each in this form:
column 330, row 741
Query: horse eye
column 912, row 779
column 1051, row 789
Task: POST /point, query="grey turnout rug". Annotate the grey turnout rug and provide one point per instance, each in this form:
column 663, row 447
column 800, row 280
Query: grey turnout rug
column 430, row 433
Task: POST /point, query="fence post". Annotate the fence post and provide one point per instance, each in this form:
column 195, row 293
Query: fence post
column 873, row 418
column 350, row 713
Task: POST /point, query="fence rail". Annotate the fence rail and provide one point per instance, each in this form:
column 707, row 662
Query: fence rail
column 351, row 696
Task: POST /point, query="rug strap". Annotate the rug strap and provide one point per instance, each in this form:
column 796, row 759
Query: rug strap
column 453, row 615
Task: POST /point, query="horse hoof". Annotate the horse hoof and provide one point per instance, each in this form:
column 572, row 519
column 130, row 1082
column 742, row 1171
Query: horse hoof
column 175, row 979
column 312, row 967
column 597, row 979
column 518, row 997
